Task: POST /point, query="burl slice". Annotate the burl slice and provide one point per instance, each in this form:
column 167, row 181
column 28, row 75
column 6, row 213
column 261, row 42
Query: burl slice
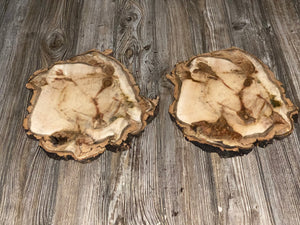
column 83, row 105
column 229, row 99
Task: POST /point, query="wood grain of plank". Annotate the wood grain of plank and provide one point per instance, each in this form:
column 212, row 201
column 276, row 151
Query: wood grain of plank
column 162, row 179
column 235, row 203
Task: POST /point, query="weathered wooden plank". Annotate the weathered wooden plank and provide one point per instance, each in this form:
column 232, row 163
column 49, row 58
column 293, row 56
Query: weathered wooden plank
column 83, row 190
column 236, row 204
column 278, row 157
column 12, row 15
column 162, row 179
column 249, row 25
column 189, row 194
column 29, row 191
column 130, row 201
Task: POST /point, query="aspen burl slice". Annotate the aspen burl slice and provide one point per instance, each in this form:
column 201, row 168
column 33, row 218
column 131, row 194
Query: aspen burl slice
column 83, row 105
column 229, row 99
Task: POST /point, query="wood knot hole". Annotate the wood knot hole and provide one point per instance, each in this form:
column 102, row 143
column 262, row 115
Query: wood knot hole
column 129, row 53
column 107, row 82
column 55, row 41
column 238, row 25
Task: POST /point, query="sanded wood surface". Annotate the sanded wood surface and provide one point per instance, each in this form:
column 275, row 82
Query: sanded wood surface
column 162, row 179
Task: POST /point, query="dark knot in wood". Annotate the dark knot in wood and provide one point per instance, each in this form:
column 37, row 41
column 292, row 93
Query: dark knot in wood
column 55, row 41
column 127, row 20
column 129, row 53
column 147, row 47
column 238, row 25
column 131, row 17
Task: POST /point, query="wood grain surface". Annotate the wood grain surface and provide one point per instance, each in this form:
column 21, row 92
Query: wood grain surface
column 163, row 179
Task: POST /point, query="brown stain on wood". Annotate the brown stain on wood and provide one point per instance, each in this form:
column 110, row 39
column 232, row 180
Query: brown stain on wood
column 219, row 129
column 143, row 185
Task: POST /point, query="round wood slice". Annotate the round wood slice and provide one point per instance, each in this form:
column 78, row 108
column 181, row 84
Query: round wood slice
column 229, row 99
column 84, row 105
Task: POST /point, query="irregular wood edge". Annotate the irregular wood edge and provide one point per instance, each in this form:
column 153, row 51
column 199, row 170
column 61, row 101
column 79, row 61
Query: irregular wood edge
column 173, row 78
column 148, row 108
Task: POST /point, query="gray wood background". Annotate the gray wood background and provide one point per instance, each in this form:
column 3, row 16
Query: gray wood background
column 162, row 179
